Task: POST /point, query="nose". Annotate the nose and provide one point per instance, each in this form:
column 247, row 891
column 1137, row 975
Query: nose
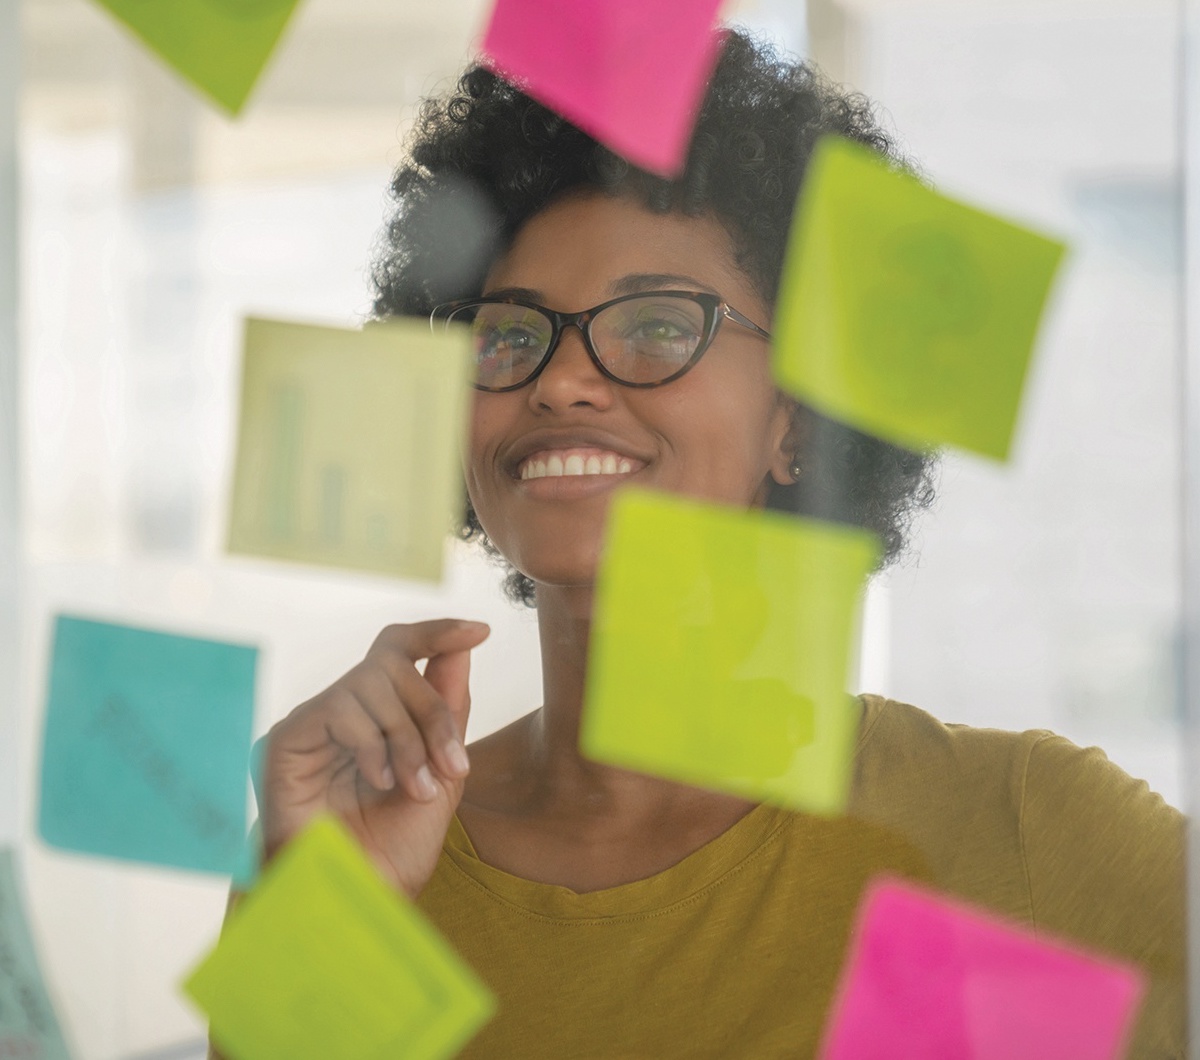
column 570, row 378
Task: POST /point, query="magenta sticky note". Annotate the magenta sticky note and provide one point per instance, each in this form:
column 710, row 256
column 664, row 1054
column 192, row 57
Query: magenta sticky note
column 630, row 73
column 929, row 978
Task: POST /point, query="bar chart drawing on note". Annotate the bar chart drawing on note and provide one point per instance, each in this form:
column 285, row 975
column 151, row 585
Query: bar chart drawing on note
column 347, row 448
column 283, row 481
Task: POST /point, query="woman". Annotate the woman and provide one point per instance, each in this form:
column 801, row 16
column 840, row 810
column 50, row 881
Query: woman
column 617, row 914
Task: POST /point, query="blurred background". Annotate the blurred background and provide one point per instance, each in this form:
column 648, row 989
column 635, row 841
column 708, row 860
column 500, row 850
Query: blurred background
column 1042, row 594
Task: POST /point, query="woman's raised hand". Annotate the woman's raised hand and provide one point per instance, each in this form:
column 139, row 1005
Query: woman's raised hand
column 383, row 748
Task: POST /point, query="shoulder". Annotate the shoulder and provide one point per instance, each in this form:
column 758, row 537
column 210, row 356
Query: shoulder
column 955, row 792
column 900, row 745
column 1008, row 817
column 1042, row 772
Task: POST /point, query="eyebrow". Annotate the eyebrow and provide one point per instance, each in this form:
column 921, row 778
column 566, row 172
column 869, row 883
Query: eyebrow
column 655, row 281
column 633, row 283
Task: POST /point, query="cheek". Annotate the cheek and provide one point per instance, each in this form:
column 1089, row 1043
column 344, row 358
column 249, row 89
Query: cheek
column 486, row 427
column 732, row 417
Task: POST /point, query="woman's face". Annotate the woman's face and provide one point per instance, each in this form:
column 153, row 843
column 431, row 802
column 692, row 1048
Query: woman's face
column 719, row 432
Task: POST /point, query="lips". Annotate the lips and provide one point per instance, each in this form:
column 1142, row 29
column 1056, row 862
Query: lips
column 570, row 453
column 560, row 463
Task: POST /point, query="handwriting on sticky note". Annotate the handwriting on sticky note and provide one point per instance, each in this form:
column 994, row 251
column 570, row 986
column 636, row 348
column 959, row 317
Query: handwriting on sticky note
column 348, row 445
column 721, row 646
column 932, row 978
column 905, row 313
column 601, row 64
column 323, row 959
column 220, row 46
column 145, row 747
column 28, row 1026
column 136, row 746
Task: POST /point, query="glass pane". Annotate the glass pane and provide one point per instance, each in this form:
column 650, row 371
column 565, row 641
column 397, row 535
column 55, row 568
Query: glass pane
column 1045, row 594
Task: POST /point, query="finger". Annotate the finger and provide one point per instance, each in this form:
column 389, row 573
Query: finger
column 449, row 675
column 406, row 745
column 335, row 720
column 422, row 640
column 432, row 716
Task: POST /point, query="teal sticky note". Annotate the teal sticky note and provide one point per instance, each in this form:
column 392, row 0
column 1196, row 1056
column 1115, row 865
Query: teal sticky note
column 721, row 647
column 905, row 313
column 145, row 746
column 220, row 46
column 245, row 874
column 29, row 1029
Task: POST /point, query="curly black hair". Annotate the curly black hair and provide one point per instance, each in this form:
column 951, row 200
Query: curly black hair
column 486, row 157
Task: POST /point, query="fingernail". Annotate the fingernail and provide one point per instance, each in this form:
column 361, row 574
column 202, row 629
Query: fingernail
column 425, row 784
column 389, row 778
column 475, row 627
column 457, row 757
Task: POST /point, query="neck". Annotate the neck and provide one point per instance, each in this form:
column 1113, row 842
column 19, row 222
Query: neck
column 567, row 782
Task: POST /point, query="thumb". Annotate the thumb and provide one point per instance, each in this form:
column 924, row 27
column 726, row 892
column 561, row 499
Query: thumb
column 449, row 674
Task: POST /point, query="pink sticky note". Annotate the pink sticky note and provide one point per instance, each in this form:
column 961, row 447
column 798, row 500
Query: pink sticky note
column 928, row 978
column 631, row 73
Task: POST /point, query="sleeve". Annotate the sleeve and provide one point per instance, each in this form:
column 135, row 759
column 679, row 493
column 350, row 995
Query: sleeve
column 1105, row 860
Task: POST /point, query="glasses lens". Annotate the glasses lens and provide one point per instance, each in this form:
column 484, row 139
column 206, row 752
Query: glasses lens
column 647, row 339
column 509, row 341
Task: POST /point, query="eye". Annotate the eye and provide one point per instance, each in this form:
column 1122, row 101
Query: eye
column 660, row 331
column 503, row 341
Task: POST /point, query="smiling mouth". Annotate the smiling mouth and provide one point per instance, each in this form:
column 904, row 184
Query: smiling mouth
column 561, row 463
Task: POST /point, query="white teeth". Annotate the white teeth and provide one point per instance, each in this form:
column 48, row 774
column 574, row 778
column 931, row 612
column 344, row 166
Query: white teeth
column 558, row 465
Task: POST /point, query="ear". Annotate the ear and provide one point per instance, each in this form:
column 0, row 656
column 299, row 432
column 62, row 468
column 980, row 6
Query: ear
column 790, row 430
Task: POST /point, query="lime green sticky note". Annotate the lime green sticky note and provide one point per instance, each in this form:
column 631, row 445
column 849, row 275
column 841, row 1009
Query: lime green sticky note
column 323, row 959
column 348, row 445
column 720, row 649
column 220, row 46
column 904, row 313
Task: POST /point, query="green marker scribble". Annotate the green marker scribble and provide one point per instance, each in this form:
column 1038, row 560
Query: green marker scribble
column 928, row 299
column 283, row 480
column 333, row 504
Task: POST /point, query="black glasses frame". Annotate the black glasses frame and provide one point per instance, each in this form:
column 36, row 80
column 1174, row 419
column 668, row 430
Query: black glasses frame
column 715, row 311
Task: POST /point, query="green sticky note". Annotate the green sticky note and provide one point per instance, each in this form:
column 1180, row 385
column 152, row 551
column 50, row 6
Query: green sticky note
column 721, row 646
column 348, row 447
column 28, row 1026
column 220, row 46
column 904, row 313
column 323, row 959
column 145, row 745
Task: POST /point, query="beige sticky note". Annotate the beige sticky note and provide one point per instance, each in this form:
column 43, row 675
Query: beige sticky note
column 348, row 445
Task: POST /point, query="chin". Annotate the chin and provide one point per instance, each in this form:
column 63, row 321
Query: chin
column 567, row 576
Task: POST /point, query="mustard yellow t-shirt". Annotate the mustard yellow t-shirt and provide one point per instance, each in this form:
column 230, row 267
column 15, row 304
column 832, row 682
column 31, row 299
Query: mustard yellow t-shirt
column 735, row 951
